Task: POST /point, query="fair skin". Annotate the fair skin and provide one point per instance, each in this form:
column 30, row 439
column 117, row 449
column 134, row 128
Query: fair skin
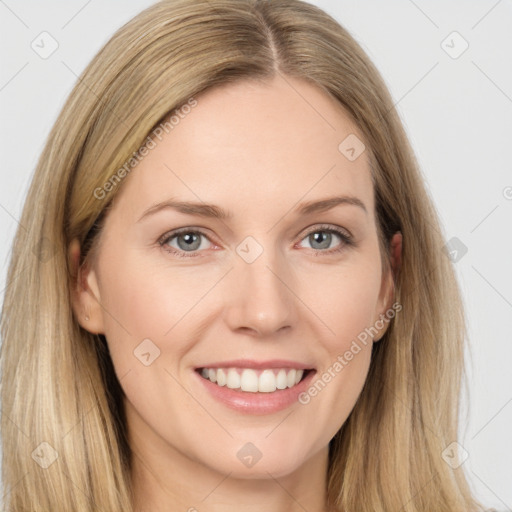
column 258, row 151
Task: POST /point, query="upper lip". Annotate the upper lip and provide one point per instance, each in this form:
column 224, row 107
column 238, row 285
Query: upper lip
column 258, row 365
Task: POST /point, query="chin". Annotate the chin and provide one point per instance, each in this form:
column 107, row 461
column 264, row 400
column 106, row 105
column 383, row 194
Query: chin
column 253, row 462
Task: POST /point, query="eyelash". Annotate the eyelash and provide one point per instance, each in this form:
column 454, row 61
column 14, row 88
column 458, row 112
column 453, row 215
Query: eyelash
column 346, row 240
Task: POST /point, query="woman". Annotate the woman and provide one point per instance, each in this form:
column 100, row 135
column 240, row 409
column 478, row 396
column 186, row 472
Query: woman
column 238, row 296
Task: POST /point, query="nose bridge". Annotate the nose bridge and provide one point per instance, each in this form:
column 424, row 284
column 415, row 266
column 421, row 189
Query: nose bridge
column 259, row 296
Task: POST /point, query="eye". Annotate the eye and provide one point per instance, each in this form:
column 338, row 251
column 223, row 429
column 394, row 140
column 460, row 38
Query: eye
column 189, row 242
column 184, row 241
column 323, row 239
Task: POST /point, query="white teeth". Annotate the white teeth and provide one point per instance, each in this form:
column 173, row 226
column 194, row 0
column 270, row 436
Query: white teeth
column 281, row 380
column 221, row 377
column 248, row 379
column 267, row 382
column 291, row 378
column 233, row 380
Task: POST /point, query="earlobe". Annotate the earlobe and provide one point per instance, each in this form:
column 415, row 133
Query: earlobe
column 85, row 296
column 388, row 283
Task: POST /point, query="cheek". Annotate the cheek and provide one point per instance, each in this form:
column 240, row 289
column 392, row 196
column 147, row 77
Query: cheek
column 347, row 303
column 151, row 303
column 347, row 308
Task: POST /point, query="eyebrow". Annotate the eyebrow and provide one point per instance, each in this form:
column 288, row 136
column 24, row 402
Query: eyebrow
column 216, row 212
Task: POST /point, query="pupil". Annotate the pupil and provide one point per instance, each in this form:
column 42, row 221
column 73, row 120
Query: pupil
column 189, row 240
column 322, row 238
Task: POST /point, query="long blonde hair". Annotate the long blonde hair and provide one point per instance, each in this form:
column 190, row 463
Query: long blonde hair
column 60, row 398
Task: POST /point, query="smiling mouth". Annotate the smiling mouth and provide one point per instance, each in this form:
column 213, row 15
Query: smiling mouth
column 254, row 381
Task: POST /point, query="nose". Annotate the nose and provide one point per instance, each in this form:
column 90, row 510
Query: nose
column 259, row 299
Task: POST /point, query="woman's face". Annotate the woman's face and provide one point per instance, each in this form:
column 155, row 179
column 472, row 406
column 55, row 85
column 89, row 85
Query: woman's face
column 277, row 268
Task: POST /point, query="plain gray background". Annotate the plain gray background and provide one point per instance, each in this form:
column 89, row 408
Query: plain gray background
column 456, row 104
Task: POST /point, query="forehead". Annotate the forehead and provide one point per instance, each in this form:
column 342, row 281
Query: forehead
column 255, row 145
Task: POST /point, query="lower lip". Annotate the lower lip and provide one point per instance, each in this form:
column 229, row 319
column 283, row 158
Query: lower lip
column 257, row 403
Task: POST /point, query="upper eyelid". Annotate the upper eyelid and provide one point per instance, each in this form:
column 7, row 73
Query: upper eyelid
column 178, row 231
column 326, row 227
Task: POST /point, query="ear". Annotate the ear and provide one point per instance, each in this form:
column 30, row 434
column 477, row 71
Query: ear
column 85, row 295
column 387, row 291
